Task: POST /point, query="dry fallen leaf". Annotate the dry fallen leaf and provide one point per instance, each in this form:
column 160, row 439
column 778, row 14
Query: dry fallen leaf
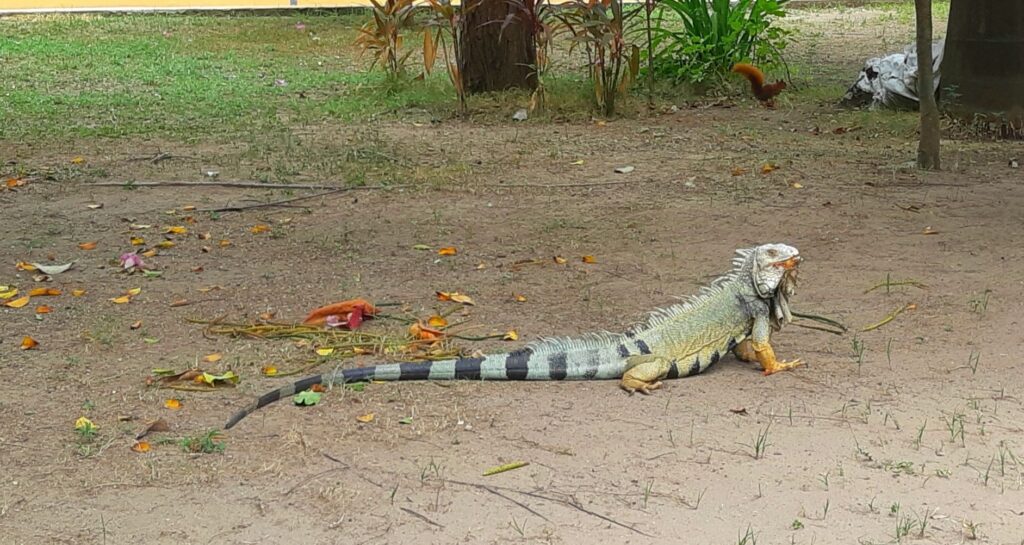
column 138, row 241
column 17, row 303
column 87, row 245
column 738, row 171
column 589, row 259
column 929, row 231
column 203, row 236
column 212, row 358
column 28, row 343
column 520, row 298
column 224, row 243
column 259, row 228
column 172, row 404
column 188, row 208
column 134, row 291
column 8, row 292
column 77, row 160
column 437, row 322
column 179, row 303
column 135, row 325
column 423, row 332
column 266, row 316
column 38, row 292
column 796, row 185
column 121, row 300
column 43, row 309
column 365, row 418
column 78, row 292
column 448, row 250
column 165, row 244
column 176, row 230
column 768, row 167
column 318, row 388
column 561, row 260
column 455, row 296
column 141, row 446
column 22, row 266
column 154, row 426
column 269, row 371
column 149, row 253
column 341, row 309
column 324, row 351
column 512, row 335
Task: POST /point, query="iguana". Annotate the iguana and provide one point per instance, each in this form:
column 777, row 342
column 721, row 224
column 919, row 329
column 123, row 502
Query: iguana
column 737, row 311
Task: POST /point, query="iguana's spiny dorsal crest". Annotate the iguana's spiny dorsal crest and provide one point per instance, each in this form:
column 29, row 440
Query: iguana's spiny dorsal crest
column 737, row 311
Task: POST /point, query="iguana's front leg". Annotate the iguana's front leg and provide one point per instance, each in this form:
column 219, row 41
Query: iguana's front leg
column 761, row 346
column 644, row 373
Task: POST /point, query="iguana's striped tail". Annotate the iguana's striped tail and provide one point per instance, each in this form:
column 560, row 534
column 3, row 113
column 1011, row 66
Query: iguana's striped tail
column 525, row 364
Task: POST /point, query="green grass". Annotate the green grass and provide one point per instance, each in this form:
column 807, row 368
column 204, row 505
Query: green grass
column 182, row 76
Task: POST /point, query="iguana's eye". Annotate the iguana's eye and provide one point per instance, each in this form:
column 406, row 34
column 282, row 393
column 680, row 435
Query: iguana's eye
column 772, row 252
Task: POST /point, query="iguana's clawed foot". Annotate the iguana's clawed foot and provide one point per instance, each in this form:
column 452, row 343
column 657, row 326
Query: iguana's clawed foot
column 644, row 373
column 782, row 366
column 633, row 386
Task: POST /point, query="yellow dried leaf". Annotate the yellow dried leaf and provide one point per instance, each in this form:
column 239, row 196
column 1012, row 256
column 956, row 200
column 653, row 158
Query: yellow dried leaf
column 9, row 293
column 269, row 371
column 738, row 171
column 134, row 291
column 259, row 228
column 212, row 358
column 796, row 185
column 43, row 309
column 512, row 335
column 166, row 244
column 141, row 446
column 224, row 243
column 121, row 300
column 188, row 208
column 138, row 241
column 589, row 259
column 44, row 291
column 560, row 260
column 172, row 404
column 22, row 266
column 149, row 253
column 324, row 351
column 520, row 298
column 365, row 418
column 78, row 292
column 481, row 266
column 577, row 162
column 768, row 167
column 135, row 325
column 176, row 230
column 455, row 296
column 77, row 160
column 28, row 343
column 448, row 250
column 437, row 321
column 17, row 303
column 87, row 245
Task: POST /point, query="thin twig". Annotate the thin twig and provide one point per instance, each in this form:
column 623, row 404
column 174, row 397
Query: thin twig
column 816, row 328
column 500, row 495
column 578, row 184
column 250, row 185
column 421, row 517
column 892, row 316
column 284, row 202
column 889, row 283
column 821, row 319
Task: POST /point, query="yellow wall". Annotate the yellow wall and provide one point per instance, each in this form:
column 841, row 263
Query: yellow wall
column 55, row 5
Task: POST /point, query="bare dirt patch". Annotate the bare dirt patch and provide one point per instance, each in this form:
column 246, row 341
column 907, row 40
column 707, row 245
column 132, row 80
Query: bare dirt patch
column 910, row 431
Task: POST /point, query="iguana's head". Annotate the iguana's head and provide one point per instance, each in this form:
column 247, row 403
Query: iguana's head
column 773, row 265
column 773, row 270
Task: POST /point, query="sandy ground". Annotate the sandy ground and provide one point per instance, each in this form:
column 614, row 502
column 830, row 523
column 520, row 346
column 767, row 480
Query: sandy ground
column 911, row 431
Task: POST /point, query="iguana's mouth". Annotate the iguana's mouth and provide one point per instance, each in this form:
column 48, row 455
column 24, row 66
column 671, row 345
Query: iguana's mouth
column 788, row 264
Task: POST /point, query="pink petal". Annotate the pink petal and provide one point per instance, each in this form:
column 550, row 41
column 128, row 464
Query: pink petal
column 355, row 318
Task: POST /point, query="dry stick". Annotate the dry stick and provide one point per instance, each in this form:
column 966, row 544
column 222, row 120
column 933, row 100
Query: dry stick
column 281, row 202
column 421, row 517
column 251, row 185
column 500, row 495
column 561, row 501
column 892, row 316
column 578, row 184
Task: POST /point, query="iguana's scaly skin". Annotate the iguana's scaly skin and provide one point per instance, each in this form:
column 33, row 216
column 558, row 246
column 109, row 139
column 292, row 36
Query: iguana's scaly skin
column 737, row 311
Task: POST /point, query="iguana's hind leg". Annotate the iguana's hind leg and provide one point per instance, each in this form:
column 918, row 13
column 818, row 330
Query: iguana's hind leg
column 744, row 351
column 644, row 373
column 766, row 357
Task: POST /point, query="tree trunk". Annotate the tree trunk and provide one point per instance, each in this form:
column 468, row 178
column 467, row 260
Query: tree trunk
column 928, row 147
column 983, row 63
column 496, row 59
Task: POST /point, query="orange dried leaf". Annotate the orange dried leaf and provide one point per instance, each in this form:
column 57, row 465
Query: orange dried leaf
column 560, row 260
column 768, row 167
column 121, row 300
column 212, row 358
column 520, row 298
column 22, row 266
column 150, row 252
column 318, row 388
column 17, row 303
column 269, row 371
column 455, row 296
column 738, row 171
column 87, row 245
column 512, row 335
column 78, row 292
column 319, row 315
column 138, row 241
column 365, row 418
column 176, row 230
column 589, row 259
column 43, row 309
column 423, row 332
column 38, row 292
column 448, row 250
column 224, row 243
column 437, row 322
column 28, row 343
column 259, row 228
column 141, row 446
column 172, row 404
